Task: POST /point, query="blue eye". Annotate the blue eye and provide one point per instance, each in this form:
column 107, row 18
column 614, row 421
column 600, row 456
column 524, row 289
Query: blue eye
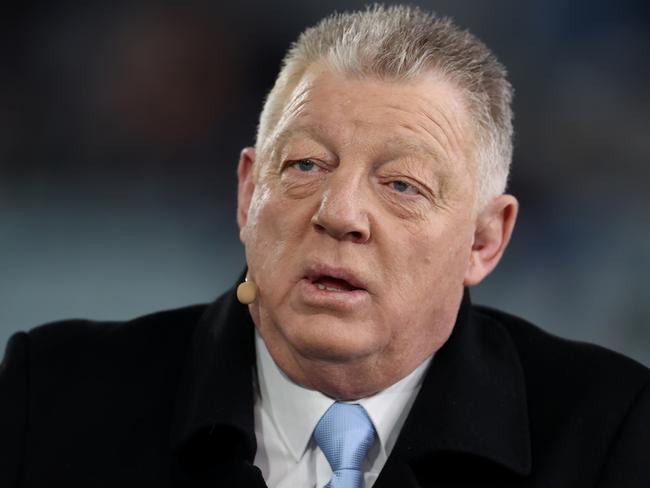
column 305, row 165
column 403, row 187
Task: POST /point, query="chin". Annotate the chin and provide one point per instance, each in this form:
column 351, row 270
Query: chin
column 350, row 392
column 332, row 339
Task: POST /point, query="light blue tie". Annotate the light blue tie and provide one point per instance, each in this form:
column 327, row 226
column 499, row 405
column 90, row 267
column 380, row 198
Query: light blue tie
column 345, row 434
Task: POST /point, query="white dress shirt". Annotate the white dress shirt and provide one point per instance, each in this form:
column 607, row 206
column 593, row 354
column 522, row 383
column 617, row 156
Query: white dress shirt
column 286, row 415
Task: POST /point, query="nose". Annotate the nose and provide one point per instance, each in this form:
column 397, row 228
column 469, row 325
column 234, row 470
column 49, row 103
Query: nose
column 343, row 210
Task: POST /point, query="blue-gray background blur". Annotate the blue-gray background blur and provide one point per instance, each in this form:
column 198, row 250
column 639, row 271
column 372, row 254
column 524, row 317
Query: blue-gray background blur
column 121, row 123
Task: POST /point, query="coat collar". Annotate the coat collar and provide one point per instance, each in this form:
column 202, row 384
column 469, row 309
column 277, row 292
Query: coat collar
column 472, row 403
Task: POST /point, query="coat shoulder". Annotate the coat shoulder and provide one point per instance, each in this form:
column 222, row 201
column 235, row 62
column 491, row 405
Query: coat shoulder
column 68, row 383
column 159, row 329
column 100, row 353
column 539, row 349
column 565, row 372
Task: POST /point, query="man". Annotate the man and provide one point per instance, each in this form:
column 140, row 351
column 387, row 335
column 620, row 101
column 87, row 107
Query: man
column 372, row 199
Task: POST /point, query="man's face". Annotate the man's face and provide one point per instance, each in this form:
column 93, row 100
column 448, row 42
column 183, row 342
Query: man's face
column 359, row 228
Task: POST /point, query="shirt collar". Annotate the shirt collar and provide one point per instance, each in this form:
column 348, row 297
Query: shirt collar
column 389, row 408
column 295, row 410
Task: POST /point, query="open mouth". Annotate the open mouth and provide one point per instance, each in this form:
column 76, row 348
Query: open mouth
column 329, row 283
column 333, row 288
column 334, row 280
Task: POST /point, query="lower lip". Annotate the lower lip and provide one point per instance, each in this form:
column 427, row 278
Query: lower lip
column 314, row 296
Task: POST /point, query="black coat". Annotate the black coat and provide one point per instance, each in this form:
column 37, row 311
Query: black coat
column 167, row 400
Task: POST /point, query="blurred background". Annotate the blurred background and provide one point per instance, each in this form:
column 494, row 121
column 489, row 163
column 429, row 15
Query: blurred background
column 121, row 125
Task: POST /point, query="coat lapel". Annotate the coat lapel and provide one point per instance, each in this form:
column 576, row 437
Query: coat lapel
column 470, row 414
column 213, row 439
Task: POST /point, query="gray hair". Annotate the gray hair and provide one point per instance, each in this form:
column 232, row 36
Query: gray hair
column 403, row 43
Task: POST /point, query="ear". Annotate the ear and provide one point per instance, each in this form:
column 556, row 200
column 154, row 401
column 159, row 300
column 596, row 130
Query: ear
column 494, row 226
column 246, row 185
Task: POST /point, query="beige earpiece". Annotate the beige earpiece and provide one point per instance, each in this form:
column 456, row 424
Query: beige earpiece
column 247, row 292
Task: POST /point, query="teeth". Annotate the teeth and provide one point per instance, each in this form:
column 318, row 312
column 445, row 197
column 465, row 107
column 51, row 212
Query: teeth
column 320, row 286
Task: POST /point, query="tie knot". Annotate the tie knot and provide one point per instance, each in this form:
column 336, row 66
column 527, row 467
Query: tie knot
column 345, row 434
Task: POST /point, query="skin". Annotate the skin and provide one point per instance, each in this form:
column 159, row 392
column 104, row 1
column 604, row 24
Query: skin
column 370, row 180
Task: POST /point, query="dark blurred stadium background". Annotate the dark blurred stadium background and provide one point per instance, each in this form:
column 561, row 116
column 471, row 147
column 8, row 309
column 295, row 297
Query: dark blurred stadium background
column 121, row 124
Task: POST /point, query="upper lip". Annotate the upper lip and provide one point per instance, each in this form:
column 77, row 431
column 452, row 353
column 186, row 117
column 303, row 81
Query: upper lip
column 316, row 271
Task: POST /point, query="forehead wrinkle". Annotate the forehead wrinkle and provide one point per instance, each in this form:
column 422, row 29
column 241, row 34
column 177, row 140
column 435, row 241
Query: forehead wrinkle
column 294, row 108
column 446, row 128
column 438, row 149
column 455, row 127
column 441, row 147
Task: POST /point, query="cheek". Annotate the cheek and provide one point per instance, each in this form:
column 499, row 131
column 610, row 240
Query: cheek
column 257, row 232
column 430, row 262
column 259, row 201
column 272, row 235
column 426, row 286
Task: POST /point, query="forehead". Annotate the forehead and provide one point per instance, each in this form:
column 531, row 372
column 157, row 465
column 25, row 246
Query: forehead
column 425, row 115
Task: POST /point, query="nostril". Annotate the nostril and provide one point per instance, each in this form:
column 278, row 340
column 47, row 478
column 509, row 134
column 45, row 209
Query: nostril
column 341, row 225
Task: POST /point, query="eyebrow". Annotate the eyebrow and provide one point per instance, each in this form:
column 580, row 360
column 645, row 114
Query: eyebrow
column 313, row 133
column 401, row 147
